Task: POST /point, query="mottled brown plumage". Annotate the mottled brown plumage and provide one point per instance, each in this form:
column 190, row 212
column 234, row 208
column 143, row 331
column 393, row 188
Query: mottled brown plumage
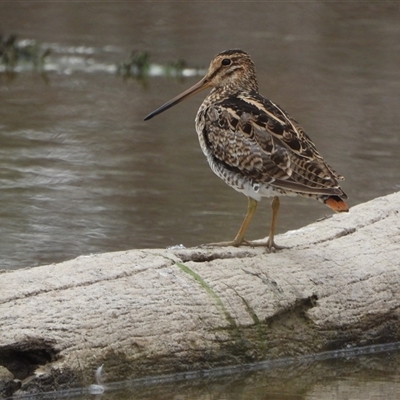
column 255, row 146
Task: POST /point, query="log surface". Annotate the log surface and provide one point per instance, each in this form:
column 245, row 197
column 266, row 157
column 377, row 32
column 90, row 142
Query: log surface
column 152, row 312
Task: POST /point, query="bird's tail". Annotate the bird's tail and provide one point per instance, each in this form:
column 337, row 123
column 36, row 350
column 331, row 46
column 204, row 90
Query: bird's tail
column 336, row 203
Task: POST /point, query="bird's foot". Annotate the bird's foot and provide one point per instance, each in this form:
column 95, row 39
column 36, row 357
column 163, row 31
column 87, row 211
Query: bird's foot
column 269, row 244
column 234, row 242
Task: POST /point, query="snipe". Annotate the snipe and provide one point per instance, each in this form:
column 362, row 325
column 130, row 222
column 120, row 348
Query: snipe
column 253, row 145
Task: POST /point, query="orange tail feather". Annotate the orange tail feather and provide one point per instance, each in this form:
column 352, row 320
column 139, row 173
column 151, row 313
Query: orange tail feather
column 337, row 204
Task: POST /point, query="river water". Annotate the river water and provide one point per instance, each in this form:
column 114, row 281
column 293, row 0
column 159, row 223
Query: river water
column 358, row 374
column 81, row 172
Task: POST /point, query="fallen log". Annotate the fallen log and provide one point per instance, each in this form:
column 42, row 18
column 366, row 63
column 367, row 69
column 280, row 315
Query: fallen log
column 151, row 312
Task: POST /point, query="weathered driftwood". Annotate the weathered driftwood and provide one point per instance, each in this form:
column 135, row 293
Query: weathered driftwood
column 151, row 312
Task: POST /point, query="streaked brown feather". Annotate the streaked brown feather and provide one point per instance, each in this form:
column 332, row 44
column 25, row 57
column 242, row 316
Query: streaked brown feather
column 252, row 134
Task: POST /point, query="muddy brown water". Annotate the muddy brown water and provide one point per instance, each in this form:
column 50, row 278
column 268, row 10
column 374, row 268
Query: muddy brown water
column 81, row 172
column 370, row 373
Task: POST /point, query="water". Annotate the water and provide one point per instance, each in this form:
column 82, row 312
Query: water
column 364, row 374
column 81, row 172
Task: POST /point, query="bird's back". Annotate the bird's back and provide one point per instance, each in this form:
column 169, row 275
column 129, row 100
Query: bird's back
column 252, row 144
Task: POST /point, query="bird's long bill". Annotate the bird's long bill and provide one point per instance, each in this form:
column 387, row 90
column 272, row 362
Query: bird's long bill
column 203, row 84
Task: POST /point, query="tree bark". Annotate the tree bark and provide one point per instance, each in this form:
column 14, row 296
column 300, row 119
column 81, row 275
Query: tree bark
column 151, row 312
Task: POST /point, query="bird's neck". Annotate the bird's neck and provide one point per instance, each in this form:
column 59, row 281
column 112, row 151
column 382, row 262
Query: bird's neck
column 219, row 93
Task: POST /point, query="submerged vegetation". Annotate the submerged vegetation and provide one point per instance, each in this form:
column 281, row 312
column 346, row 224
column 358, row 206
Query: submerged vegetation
column 15, row 53
column 18, row 55
column 138, row 66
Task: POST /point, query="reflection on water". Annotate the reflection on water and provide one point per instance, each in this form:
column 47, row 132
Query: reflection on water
column 373, row 376
column 80, row 172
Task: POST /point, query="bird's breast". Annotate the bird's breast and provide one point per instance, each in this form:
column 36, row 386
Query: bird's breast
column 223, row 149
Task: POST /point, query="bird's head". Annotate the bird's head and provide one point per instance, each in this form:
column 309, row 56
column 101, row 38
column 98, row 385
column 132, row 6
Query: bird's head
column 230, row 71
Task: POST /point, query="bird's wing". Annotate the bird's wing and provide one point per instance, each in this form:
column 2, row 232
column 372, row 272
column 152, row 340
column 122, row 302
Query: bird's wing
column 255, row 136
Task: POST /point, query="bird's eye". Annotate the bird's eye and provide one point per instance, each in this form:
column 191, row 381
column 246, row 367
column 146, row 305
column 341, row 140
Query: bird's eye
column 226, row 61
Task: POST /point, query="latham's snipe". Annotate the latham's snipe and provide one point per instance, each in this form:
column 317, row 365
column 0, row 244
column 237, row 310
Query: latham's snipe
column 253, row 145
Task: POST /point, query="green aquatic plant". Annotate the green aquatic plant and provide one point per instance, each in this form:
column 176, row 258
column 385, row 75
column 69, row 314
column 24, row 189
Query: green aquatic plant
column 175, row 68
column 137, row 64
column 15, row 52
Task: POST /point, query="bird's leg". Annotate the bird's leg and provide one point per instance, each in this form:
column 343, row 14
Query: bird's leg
column 275, row 205
column 270, row 244
column 239, row 238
